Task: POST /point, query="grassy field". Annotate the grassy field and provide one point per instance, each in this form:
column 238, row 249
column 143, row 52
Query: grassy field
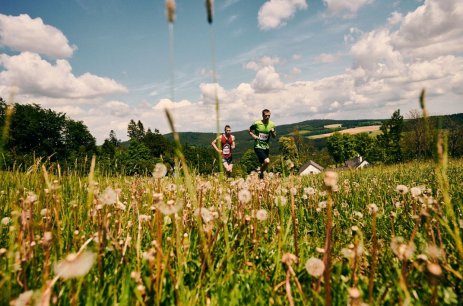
column 357, row 130
column 382, row 236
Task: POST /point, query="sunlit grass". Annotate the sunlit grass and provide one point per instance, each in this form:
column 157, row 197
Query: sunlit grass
column 145, row 235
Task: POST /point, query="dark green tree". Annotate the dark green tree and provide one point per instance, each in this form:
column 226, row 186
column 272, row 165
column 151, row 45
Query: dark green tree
column 249, row 161
column 391, row 137
column 110, row 145
column 136, row 131
column 341, row 147
column 77, row 140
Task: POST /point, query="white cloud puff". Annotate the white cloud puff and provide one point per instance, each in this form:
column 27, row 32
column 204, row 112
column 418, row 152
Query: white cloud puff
column 275, row 13
column 22, row 33
column 267, row 80
column 38, row 77
column 345, row 8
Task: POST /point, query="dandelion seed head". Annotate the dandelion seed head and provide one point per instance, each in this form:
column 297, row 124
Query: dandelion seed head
column 330, row 179
column 2, row 251
column 244, row 196
column 23, row 299
column 160, row 170
column 433, row 251
column 144, row 218
column 322, row 204
column 293, row 190
column 310, row 191
column 434, row 268
column 5, row 220
column 372, row 208
column 402, row 249
column 320, row 250
column 354, row 293
column 415, row 191
column 75, row 265
column 402, row 189
column 31, row 197
column 261, row 215
column 315, row 267
column 289, row 259
column 280, row 200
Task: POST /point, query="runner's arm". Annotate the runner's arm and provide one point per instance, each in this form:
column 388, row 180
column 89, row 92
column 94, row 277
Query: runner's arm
column 252, row 134
column 233, row 145
column 213, row 143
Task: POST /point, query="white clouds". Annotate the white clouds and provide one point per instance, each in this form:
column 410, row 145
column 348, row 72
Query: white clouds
column 22, row 33
column 346, row 8
column 433, row 29
column 37, row 77
column 275, row 13
column 267, row 80
column 169, row 104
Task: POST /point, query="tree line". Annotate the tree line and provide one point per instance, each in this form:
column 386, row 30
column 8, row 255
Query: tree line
column 31, row 133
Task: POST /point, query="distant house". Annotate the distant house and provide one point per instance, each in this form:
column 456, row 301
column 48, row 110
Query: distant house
column 357, row 163
column 310, row 167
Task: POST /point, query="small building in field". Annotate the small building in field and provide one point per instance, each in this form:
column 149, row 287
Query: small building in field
column 357, row 163
column 310, row 167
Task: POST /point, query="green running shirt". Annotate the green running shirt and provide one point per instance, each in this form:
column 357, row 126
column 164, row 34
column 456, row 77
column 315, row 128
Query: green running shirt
column 262, row 131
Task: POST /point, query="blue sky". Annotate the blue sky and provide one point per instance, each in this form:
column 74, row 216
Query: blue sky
column 106, row 62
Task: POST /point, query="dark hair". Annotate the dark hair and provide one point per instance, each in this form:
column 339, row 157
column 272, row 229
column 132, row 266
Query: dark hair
column 265, row 111
column 227, row 126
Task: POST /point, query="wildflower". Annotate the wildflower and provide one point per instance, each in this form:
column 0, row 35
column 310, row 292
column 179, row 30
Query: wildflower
column 372, row 208
column 293, row 190
column 108, row 197
column 44, row 212
column 160, row 169
column 322, row 204
column 358, row 214
column 397, row 204
column 261, row 215
column 320, row 250
column 75, row 265
column 402, row 189
column 315, row 267
column 244, row 196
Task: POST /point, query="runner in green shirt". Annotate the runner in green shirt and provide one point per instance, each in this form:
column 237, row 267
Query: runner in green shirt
column 261, row 131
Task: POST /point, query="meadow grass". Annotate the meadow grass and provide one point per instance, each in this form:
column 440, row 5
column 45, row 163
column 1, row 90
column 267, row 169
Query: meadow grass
column 238, row 242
